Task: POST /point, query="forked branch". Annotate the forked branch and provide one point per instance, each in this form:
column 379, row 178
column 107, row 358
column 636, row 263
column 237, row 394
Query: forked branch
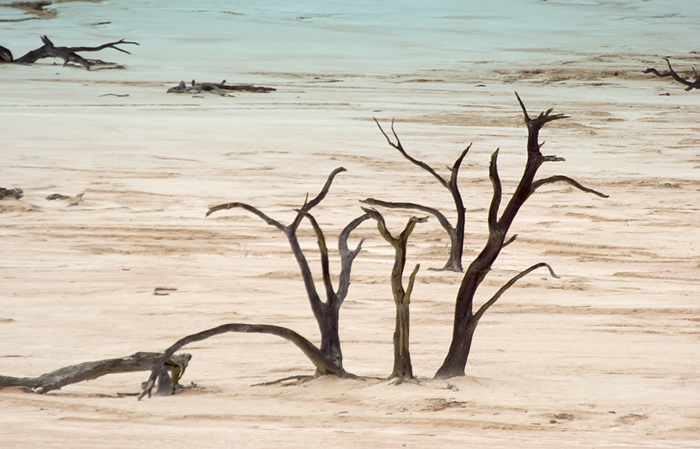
column 456, row 232
column 325, row 312
column 402, row 298
column 403, row 152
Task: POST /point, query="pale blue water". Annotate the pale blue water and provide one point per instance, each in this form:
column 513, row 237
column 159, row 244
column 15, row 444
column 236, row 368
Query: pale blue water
column 379, row 36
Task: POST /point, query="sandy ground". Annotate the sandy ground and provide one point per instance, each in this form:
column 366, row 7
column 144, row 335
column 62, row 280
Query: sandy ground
column 606, row 356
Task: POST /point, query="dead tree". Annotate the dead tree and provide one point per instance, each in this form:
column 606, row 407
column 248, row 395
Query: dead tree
column 323, row 364
column 456, row 232
column 325, row 312
column 172, row 367
column 690, row 85
column 68, row 54
column 465, row 321
column 403, row 369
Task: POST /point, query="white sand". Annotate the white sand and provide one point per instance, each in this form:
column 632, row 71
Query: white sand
column 609, row 351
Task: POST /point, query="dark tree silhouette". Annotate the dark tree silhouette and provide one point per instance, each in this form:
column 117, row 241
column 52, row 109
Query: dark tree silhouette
column 403, row 369
column 326, row 312
column 456, row 232
column 465, row 321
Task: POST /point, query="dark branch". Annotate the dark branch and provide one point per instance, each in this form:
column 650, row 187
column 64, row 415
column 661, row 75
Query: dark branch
column 444, row 222
column 103, row 46
column 322, row 194
column 541, row 119
column 412, row 280
column 413, row 160
column 308, row 205
column 323, row 249
column 673, row 74
column 249, row 208
column 347, row 257
column 322, row 363
column 381, row 226
column 477, row 316
column 497, row 192
column 560, row 178
column 68, row 54
column 455, row 167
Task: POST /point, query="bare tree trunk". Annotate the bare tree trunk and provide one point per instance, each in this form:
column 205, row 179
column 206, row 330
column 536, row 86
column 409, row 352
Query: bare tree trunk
column 464, row 320
column 456, row 232
column 403, row 369
column 140, row 361
column 330, row 334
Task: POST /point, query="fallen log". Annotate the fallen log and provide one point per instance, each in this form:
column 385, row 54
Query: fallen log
column 218, row 88
column 14, row 193
column 68, row 54
column 140, row 361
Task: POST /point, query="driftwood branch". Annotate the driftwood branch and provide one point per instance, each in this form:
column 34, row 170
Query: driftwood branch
column 218, row 88
column 68, row 54
column 140, row 361
column 690, row 85
column 14, row 193
column 323, row 364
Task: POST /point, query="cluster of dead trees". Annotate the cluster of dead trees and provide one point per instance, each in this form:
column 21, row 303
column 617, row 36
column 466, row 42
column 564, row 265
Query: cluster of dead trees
column 325, row 305
column 326, row 301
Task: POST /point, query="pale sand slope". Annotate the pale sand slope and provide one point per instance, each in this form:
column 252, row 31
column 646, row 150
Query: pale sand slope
column 608, row 351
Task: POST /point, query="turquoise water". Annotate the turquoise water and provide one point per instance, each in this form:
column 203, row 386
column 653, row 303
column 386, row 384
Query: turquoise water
column 371, row 36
